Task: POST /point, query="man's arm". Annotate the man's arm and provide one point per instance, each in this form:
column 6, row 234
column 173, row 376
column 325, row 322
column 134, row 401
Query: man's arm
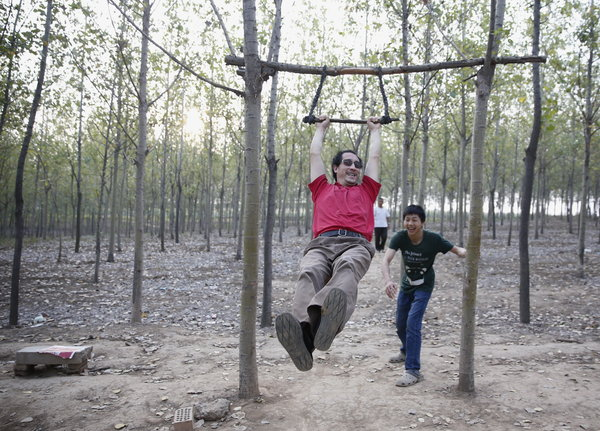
column 372, row 168
column 391, row 288
column 317, row 168
column 459, row 251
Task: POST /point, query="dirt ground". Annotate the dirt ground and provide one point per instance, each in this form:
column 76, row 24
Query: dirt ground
column 540, row 376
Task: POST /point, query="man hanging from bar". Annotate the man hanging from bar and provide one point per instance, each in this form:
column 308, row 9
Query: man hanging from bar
column 340, row 252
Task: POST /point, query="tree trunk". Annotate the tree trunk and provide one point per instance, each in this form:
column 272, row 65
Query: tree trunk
column 163, row 174
column 485, row 76
column 464, row 140
column 96, row 277
column 6, row 100
column 138, row 258
column 209, row 181
column 19, row 224
column 284, row 197
column 588, row 119
column 570, row 196
column 237, row 200
column 299, row 218
column 222, row 190
column 240, row 222
column 493, row 185
column 248, row 373
column 78, row 177
column 408, row 115
column 179, row 186
column 122, row 188
column 528, row 178
column 425, row 119
column 266, row 317
column 538, row 198
column 115, row 202
column 444, row 180
column 513, row 192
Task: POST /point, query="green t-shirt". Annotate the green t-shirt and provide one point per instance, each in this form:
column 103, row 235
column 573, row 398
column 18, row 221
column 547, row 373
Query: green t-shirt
column 418, row 259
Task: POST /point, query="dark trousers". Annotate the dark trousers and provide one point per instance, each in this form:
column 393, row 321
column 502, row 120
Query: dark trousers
column 380, row 238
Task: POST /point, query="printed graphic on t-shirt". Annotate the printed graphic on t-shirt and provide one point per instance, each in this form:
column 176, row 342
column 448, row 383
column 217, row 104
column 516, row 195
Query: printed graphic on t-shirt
column 415, row 264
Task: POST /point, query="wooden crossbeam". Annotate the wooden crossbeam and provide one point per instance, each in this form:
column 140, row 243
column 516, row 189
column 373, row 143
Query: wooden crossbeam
column 269, row 67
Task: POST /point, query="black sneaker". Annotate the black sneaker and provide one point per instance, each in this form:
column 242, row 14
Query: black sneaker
column 332, row 317
column 289, row 333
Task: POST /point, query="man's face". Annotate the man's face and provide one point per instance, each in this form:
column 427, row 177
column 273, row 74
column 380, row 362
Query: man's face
column 380, row 202
column 348, row 175
column 413, row 224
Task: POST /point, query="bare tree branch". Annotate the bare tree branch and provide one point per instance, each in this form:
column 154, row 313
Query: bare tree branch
column 357, row 70
column 222, row 24
column 175, row 59
column 152, row 102
column 441, row 30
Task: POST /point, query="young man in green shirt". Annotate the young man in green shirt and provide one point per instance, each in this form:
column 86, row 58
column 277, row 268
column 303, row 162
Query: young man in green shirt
column 419, row 248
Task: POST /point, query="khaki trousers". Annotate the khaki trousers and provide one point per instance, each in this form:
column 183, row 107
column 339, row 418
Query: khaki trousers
column 330, row 262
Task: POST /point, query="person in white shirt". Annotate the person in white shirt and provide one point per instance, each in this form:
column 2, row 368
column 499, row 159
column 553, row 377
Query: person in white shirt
column 382, row 219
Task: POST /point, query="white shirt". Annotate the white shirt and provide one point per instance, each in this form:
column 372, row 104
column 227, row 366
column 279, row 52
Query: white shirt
column 381, row 216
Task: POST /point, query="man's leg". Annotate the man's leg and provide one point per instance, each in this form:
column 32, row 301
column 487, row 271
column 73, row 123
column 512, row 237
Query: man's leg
column 295, row 330
column 380, row 235
column 414, row 324
column 384, row 232
column 338, row 297
column 402, row 309
column 315, row 272
column 349, row 267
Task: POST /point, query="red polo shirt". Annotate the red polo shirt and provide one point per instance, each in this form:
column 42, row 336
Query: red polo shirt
column 341, row 207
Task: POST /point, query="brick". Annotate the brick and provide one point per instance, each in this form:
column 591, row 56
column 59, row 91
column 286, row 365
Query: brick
column 184, row 419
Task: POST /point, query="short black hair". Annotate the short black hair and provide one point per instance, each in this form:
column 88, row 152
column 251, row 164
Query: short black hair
column 337, row 160
column 416, row 210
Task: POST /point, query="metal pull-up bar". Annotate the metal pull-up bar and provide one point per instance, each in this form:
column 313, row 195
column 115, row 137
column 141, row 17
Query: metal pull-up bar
column 384, row 119
column 381, row 120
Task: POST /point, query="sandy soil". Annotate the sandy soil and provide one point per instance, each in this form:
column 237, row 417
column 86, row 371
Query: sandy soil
column 539, row 376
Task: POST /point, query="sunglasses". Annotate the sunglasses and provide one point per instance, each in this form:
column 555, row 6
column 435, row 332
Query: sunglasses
column 357, row 163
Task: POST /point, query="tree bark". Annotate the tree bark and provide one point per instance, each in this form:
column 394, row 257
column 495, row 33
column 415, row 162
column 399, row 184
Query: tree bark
column 163, row 173
column 179, row 185
column 19, row 224
column 115, row 203
column 96, row 277
column 425, row 117
column 528, row 178
column 444, row 179
column 485, row 77
column 284, row 196
column 271, row 66
column 248, row 372
column 588, row 121
column 11, row 60
column 464, row 141
column 209, row 174
column 78, row 177
column 408, row 115
column 493, row 185
column 272, row 161
column 140, row 160
column 513, row 192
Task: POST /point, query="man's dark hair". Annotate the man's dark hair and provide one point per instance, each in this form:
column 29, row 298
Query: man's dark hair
column 416, row 210
column 337, row 160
